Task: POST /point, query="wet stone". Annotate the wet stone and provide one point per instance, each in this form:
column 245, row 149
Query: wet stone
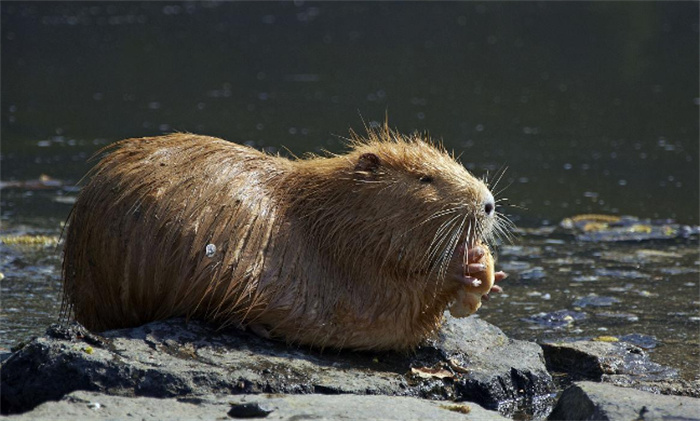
column 614, row 362
column 640, row 340
column 621, row 274
column 656, row 256
column 544, row 231
column 627, row 317
column 571, row 261
column 533, row 274
column 678, row 270
column 595, row 301
column 514, row 266
column 610, row 228
column 585, row 278
column 642, row 256
column 557, row 318
column 621, row 288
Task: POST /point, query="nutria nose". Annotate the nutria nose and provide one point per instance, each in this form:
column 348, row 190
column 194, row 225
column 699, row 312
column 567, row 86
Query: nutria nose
column 489, row 205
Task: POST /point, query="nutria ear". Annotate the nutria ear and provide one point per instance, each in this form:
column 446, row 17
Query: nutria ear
column 367, row 163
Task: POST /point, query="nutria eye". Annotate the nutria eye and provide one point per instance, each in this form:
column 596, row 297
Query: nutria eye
column 425, row 179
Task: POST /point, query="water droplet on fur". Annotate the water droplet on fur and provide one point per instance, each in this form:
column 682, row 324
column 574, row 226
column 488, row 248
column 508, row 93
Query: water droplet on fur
column 210, row 250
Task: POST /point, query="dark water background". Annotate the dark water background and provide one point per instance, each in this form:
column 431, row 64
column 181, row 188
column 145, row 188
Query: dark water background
column 591, row 106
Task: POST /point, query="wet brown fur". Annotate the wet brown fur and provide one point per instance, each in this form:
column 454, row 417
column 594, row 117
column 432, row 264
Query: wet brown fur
column 346, row 251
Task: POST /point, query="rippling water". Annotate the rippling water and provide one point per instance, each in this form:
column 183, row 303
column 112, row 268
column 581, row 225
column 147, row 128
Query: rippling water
column 645, row 293
column 591, row 107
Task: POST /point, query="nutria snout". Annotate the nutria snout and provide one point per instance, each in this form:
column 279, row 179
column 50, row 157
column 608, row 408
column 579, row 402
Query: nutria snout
column 363, row 250
column 490, row 206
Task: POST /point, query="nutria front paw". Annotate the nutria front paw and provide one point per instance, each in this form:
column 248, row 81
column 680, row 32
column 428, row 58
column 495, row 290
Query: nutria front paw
column 478, row 278
column 478, row 268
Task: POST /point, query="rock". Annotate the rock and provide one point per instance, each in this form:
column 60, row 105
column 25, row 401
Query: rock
column 502, row 371
column 556, row 319
column 471, row 360
column 593, row 300
column 599, row 401
column 81, row 405
column 604, row 361
column 612, row 228
column 619, row 363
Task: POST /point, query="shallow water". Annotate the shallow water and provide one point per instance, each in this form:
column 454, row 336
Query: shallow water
column 591, row 107
column 643, row 293
column 30, row 292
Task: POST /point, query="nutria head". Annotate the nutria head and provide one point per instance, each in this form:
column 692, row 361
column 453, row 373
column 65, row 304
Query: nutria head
column 403, row 198
column 399, row 212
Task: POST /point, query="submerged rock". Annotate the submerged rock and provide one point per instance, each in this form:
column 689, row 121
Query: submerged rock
column 612, row 228
column 599, row 401
column 598, row 360
column 556, row 319
column 594, row 300
column 470, row 360
column 616, row 362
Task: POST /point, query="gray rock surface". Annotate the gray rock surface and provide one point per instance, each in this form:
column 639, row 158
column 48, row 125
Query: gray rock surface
column 600, row 401
column 470, row 360
column 618, row 363
column 81, row 405
column 501, row 370
column 591, row 360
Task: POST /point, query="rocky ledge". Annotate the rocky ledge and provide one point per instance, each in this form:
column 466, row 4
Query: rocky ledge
column 179, row 370
column 469, row 361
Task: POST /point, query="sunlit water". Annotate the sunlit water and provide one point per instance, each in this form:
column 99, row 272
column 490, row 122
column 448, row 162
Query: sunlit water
column 644, row 290
column 591, row 107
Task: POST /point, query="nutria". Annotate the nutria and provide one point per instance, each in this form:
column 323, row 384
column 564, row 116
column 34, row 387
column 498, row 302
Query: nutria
column 363, row 250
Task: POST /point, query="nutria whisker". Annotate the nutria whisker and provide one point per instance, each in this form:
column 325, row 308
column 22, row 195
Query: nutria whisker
column 436, row 215
column 496, row 232
column 504, row 227
column 440, row 214
column 467, row 241
column 435, row 248
column 450, row 248
column 445, row 256
column 498, row 176
column 501, row 191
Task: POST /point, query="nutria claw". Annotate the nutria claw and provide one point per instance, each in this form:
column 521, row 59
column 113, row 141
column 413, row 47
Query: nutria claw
column 476, row 253
column 498, row 277
column 469, row 281
column 475, row 268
